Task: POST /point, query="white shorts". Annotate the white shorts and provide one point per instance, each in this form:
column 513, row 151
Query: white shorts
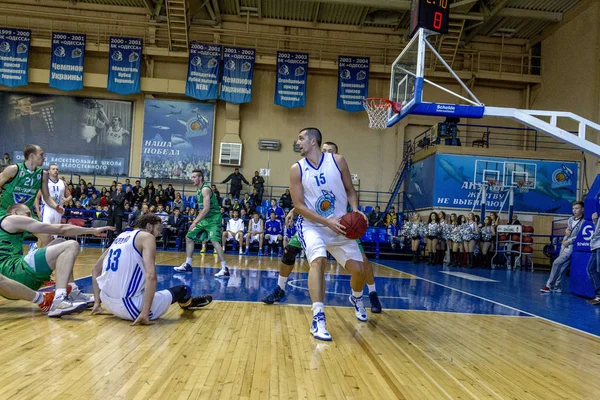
column 230, row 236
column 254, row 238
column 50, row 216
column 129, row 308
column 317, row 241
column 271, row 238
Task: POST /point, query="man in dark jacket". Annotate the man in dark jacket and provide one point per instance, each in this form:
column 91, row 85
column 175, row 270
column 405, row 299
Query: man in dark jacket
column 236, row 182
column 175, row 226
column 258, row 182
column 116, row 211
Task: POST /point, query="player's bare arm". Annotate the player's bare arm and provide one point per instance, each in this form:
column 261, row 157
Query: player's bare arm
column 297, row 192
column 96, row 272
column 68, row 197
column 36, row 204
column 147, row 243
column 19, row 223
column 348, row 186
column 8, row 174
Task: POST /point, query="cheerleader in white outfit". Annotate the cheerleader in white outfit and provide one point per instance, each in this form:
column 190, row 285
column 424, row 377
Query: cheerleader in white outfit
column 470, row 233
column 433, row 231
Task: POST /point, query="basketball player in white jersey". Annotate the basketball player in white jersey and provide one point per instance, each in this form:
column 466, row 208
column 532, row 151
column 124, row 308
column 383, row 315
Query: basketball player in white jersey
column 60, row 194
column 124, row 278
column 321, row 189
column 256, row 232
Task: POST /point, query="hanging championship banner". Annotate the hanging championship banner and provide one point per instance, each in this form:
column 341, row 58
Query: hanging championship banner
column 124, row 64
column 14, row 57
column 66, row 66
column 238, row 70
column 353, row 82
column 203, row 71
column 290, row 86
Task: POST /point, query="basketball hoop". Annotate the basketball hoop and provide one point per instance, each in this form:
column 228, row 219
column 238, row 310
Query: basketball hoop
column 377, row 108
column 494, row 185
column 523, row 186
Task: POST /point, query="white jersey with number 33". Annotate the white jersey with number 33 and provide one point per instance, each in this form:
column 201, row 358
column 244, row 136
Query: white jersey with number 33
column 123, row 273
column 324, row 191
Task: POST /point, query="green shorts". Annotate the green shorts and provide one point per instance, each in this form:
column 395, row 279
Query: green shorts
column 31, row 270
column 207, row 229
column 295, row 242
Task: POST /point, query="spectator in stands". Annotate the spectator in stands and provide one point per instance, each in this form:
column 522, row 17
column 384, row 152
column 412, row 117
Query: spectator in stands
column 94, row 201
column 248, row 204
column 137, row 188
column 84, row 200
column 116, row 212
column 128, row 194
column 152, row 208
column 216, row 192
column 170, row 193
column 224, row 212
column 127, row 185
column 127, row 209
column 234, row 230
column 274, row 232
column 149, row 192
column 139, row 198
column 376, row 218
column 257, row 200
column 562, row 262
column 243, row 214
column 132, row 217
column 82, row 188
column 258, row 183
column 168, row 209
column 178, row 202
column 277, row 210
column 72, row 191
column 393, row 231
column 104, row 200
column 515, row 220
column 286, row 201
column 236, row 206
column 187, row 211
column 236, row 179
column 155, row 202
column 227, row 202
column 162, row 196
column 90, row 189
column 389, row 216
column 5, row 161
column 175, row 226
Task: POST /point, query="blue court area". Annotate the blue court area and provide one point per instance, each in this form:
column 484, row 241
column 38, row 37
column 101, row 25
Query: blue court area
column 395, row 293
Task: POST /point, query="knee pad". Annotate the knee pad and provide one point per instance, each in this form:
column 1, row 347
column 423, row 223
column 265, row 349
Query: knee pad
column 289, row 255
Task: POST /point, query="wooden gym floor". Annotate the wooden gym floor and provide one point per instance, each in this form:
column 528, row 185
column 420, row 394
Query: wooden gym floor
column 429, row 343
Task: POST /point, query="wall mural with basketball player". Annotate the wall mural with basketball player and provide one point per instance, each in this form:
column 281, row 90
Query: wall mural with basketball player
column 550, row 187
column 81, row 135
column 178, row 138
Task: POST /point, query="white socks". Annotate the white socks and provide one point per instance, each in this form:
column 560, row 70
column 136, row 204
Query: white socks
column 371, row 288
column 282, row 281
column 317, row 308
column 60, row 293
column 188, row 260
column 223, row 265
column 357, row 294
column 38, row 299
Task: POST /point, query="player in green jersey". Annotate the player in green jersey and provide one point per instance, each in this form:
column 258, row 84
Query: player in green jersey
column 35, row 268
column 294, row 247
column 21, row 182
column 207, row 225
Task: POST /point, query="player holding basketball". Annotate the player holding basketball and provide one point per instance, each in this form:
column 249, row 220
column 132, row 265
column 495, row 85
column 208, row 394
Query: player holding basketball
column 321, row 195
column 206, row 225
column 294, row 247
column 124, row 278
column 60, row 194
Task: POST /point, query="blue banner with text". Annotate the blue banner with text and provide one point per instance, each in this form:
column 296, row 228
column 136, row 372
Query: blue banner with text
column 290, row 86
column 203, row 71
column 124, row 64
column 238, row 70
column 66, row 66
column 353, row 82
column 14, row 57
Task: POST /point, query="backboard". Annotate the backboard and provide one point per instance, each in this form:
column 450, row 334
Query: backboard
column 509, row 173
column 407, row 81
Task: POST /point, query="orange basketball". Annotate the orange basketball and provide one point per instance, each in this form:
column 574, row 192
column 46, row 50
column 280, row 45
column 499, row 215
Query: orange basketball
column 515, row 238
column 527, row 229
column 355, row 224
column 503, row 237
column 527, row 250
column 527, row 239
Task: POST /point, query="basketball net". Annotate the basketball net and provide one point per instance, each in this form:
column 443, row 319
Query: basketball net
column 523, row 186
column 494, row 185
column 377, row 109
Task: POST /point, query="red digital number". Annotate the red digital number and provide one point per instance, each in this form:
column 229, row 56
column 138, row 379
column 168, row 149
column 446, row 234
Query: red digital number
column 437, row 20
